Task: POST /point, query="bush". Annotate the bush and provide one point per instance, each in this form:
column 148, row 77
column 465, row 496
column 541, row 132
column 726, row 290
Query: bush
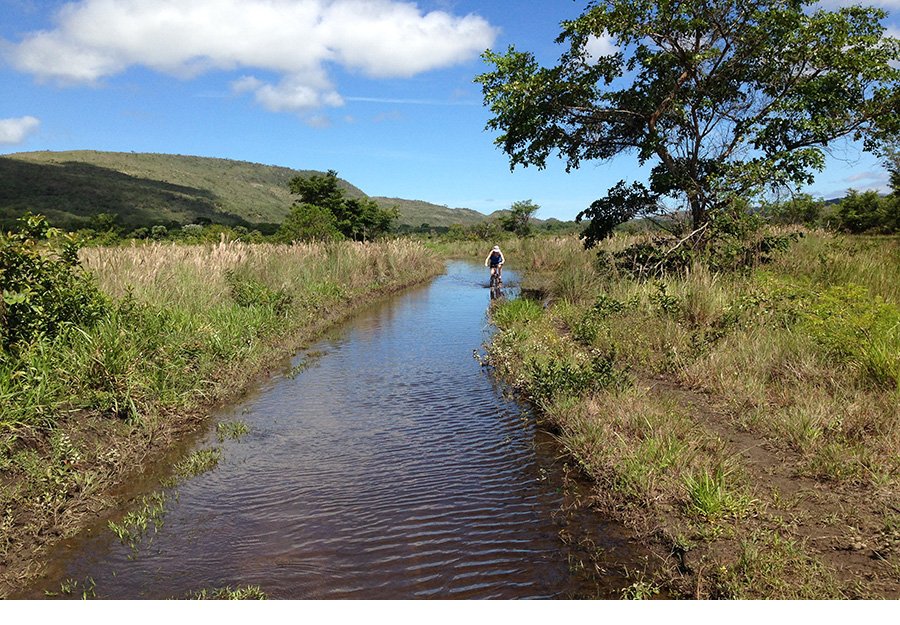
column 800, row 210
column 855, row 328
column 649, row 259
column 733, row 241
column 307, row 222
column 554, row 377
column 586, row 329
column 248, row 292
column 868, row 212
column 42, row 285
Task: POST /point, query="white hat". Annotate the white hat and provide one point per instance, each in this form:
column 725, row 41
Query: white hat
column 496, row 248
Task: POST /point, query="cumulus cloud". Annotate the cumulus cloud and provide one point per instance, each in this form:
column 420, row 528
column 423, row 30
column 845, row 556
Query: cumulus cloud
column 296, row 40
column 889, row 5
column 597, row 47
column 15, row 130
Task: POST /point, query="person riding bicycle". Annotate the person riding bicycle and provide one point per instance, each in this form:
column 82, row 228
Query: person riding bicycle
column 495, row 262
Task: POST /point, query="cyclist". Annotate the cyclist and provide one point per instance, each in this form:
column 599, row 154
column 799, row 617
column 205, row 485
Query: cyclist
column 495, row 262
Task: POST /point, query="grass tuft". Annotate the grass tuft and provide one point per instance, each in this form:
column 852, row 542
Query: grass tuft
column 711, row 495
column 242, row 593
column 197, row 463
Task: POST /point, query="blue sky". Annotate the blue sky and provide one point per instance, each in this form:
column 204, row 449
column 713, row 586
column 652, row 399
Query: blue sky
column 379, row 90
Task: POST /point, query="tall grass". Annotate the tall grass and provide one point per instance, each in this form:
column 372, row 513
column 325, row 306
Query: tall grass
column 187, row 317
column 195, row 277
column 803, row 354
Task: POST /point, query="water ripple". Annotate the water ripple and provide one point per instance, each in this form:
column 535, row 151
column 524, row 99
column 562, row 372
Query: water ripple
column 392, row 468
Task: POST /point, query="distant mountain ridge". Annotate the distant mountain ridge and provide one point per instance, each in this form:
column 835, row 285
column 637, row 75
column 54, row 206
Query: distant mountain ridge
column 418, row 213
column 142, row 189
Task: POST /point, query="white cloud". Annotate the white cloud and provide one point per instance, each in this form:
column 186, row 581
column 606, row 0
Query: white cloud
column 878, row 178
column 295, row 39
column 319, row 121
column 15, row 130
column 599, row 46
column 836, row 4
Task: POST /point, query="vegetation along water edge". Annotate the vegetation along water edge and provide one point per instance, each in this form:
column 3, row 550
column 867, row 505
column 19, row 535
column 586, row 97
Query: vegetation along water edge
column 746, row 422
column 110, row 355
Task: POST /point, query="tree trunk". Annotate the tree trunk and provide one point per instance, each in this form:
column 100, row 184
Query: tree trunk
column 699, row 218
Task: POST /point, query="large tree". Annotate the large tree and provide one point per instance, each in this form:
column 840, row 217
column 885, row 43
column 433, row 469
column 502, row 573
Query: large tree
column 322, row 209
column 727, row 99
column 519, row 218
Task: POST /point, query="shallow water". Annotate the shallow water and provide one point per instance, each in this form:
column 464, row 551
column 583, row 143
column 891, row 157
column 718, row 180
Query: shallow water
column 387, row 464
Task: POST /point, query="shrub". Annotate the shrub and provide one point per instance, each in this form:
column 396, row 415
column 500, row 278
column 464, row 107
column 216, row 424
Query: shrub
column 42, row 285
column 554, row 377
column 856, row 328
column 248, row 292
column 860, row 212
column 800, row 210
column 651, row 259
column 590, row 323
column 732, row 241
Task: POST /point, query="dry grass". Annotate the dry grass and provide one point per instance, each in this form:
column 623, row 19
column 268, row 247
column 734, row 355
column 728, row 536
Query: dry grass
column 195, row 275
column 800, row 357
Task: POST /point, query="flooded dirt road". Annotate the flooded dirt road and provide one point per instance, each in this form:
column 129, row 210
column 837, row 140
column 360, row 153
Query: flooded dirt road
column 387, row 464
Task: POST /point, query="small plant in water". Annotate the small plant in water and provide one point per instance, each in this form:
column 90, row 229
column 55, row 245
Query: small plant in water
column 199, row 462
column 135, row 524
column 234, row 594
column 70, row 587
column 304, row 364
column 641, row 589
column 233, row 430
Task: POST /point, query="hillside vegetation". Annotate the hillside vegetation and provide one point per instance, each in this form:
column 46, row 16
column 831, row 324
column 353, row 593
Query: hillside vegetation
column 72, row 188
column 417, row 213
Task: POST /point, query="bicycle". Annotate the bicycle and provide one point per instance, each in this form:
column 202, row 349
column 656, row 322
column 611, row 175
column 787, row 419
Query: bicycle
column 496, row 278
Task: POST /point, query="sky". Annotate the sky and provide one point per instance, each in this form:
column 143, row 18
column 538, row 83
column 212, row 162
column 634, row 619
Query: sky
column 380, row 91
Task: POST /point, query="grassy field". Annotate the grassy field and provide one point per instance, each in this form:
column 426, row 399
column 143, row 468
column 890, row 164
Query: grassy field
column 746, row 424
column 187, row 327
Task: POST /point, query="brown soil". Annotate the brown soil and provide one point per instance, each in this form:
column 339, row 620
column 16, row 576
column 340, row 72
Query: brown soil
column 842, row 526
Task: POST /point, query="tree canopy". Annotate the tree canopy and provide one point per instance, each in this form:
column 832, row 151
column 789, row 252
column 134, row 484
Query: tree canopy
column 519, row 217
column 727, row 99
column 323, row 212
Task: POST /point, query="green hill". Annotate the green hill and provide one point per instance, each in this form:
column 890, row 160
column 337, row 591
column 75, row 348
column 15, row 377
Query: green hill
column 146, row 189
column 417, row 213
